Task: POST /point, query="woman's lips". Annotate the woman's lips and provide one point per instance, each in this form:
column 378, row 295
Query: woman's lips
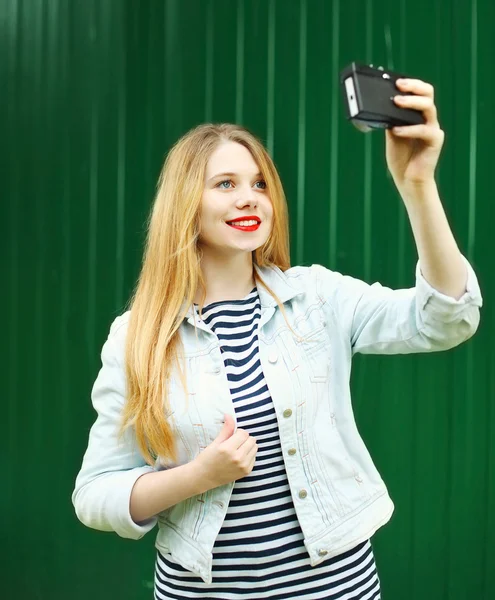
column 245, row 223
column 244, row 228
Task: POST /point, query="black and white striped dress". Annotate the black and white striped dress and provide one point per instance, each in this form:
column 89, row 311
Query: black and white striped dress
column 259, row 552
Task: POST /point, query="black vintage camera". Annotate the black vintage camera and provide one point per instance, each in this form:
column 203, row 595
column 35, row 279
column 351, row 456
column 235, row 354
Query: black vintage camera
column 368, row 97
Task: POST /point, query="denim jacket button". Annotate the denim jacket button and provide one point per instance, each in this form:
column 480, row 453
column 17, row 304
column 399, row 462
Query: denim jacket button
column 303, row 494
column 273, row 357
column 292, row 451
column 322, row 552
column 287, row 413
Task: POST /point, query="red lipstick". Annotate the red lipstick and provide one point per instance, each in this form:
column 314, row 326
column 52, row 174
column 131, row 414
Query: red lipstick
column 254, row 227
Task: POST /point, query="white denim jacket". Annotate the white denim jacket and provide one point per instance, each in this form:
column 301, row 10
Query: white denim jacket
column 339, row 496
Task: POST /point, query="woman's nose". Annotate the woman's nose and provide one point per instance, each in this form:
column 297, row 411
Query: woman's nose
column 246, row 196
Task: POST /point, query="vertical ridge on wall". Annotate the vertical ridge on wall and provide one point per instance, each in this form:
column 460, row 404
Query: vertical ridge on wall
column 336, row 99
column 301, row 134
column 240, row 75
column 401, row 216
column 209, row 63
column 61, row 21
column 473, row 128
column 368, row 164
column 10, row 225
column 470, row 360
column 439, row 423
column 34, row 60
column 270, row 99
column 483, row 395
column 255, row 68
column 95, row 45
column 121, row 151
column 173, row 91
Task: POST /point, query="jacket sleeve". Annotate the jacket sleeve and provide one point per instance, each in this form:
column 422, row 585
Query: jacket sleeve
column 111, row 464
column 379, row 320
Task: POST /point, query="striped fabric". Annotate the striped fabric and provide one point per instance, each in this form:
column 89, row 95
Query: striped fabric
column 259, row 552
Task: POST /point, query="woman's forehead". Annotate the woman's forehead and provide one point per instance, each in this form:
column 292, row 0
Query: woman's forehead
column 231, row 157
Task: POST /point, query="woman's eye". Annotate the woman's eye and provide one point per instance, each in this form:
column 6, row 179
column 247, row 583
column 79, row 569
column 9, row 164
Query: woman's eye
column 225, row 185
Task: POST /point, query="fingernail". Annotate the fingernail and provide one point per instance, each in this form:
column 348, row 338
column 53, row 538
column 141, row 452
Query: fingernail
column 398, row 129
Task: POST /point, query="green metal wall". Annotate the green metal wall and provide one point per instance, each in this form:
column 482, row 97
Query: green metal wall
column 93, row 94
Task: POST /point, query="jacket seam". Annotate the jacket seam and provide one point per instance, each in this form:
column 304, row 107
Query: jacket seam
column 391, row 340
column 186, row 538
column 351, row 515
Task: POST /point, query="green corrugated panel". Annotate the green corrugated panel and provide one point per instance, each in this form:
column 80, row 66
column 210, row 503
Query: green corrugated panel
column 94, row 94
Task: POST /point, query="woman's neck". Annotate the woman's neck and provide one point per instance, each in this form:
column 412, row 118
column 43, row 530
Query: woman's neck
column 227, row 278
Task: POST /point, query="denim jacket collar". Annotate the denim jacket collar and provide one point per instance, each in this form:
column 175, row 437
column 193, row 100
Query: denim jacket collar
column 279, row 283
column 276, row 280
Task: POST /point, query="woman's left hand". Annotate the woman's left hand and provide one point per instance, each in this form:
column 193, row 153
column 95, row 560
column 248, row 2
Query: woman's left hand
column 413, row 151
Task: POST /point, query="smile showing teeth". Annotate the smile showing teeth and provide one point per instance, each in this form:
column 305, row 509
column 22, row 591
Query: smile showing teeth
column 243, row 223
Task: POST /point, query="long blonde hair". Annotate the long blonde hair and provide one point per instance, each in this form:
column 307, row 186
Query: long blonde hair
column 171, row 275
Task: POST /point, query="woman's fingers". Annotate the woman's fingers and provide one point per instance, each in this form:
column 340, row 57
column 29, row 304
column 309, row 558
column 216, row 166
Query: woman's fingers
column 236, row 440
column 423, row 103
column 251, row 456
column 416, row 86
column 428, row 133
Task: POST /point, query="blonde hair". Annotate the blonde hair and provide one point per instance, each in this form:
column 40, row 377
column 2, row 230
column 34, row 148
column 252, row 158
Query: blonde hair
column 171, row 275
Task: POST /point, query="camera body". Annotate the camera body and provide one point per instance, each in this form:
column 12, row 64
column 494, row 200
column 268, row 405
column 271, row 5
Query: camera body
column 368, row 97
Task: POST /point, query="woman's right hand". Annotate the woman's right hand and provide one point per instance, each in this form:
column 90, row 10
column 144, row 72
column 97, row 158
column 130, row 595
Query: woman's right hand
column 229, row 457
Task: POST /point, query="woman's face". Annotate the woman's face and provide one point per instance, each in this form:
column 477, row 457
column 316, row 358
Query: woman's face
column 234, row 189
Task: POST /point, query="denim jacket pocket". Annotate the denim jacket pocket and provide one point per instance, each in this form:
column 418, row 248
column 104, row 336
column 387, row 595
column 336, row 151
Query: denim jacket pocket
column 315, row 350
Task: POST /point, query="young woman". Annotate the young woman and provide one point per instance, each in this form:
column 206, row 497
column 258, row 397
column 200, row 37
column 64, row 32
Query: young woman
column 223, row 402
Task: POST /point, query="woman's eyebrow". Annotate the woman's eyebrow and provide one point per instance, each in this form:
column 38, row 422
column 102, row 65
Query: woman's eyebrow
column 229, row 175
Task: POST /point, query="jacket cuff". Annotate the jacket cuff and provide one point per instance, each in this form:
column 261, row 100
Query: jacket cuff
column 437, row 303
column 123, row 523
